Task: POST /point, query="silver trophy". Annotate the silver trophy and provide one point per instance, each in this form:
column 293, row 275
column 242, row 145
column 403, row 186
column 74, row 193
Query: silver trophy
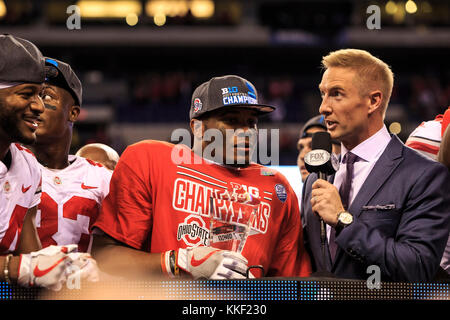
column 231, row 219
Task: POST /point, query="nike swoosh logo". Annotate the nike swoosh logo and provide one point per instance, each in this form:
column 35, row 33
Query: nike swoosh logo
column 25, row 189
column 40, row 273
column 85, row 187
column 196, row 263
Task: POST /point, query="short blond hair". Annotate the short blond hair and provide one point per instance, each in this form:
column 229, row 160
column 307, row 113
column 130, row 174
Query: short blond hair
column 372, row 73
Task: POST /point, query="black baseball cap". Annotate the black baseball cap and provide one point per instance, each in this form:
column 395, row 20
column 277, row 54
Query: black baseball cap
column 20, row 60
column 317, row 121
column 61, row 74
column 223, row 92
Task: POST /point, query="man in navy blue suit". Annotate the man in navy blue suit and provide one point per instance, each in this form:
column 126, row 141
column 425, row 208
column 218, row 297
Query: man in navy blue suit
column 387, row 205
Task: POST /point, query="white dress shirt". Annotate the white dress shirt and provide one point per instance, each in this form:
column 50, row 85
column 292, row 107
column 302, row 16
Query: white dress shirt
column 368, row 151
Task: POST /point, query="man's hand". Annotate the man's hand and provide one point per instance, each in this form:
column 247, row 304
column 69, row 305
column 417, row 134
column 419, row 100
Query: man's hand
column 326, row 202
column 212, row 263
column 53, row 266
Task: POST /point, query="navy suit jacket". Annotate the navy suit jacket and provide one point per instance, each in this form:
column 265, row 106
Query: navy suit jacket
column 401, row 220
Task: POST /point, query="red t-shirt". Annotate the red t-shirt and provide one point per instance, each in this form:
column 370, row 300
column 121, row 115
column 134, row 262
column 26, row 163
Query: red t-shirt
column 158, row 203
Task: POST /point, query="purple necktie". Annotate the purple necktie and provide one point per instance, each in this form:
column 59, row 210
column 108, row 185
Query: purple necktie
column 344, row 192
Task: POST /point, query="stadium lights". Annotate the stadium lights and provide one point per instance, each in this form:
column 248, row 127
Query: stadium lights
column 167, row 8
column 201, row 9
column 132, row 19
column 391, row 7
column 397, row 11
column 159, row 19
column 410, row 7
column 2, row 9
column 395, row 127
column 110, row 9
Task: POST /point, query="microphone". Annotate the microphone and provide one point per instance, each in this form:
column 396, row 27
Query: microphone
column 322, row 161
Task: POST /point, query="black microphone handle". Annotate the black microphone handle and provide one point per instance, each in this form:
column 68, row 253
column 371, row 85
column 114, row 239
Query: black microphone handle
column 323, row 233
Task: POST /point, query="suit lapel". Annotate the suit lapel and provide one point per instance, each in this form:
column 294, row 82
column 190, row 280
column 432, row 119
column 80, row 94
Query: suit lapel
column 383, row 169
column 386, row 164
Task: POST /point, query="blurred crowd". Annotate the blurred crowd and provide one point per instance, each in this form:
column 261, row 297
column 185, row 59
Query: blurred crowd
column 164, row 98
column 150, row 96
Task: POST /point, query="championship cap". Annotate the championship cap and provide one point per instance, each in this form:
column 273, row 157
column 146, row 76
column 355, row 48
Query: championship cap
column 61, row 74
column 20, row 61
column 226, row 91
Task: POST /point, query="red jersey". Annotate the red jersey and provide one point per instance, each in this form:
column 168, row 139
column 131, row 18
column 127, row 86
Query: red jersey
column 20, row 189
column 155, row 204
column 70, row 202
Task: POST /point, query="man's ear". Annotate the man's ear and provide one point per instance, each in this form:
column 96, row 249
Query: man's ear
column 74, row 112
column 376, row 97
column 197, row 128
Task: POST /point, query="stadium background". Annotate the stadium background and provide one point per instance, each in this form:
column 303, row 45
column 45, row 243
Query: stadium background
column 139, row 61
column 138, row 77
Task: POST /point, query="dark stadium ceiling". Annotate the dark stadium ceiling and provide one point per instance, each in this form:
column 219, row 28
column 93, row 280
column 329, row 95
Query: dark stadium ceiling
column 227, row 22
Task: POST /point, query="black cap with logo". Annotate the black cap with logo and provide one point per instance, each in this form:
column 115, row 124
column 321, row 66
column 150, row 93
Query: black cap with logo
column 61, row 74
column 223, row 92
column 20, row 60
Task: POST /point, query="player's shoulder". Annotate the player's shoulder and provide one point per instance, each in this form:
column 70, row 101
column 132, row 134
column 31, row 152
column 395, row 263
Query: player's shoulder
column 25, row 163
column 84, row 164
column 17, row 148
column 271, row 176
column 268, row 171
column 23, row 154
column 146, row 144
column 149, row 147
column 277, row 184
column 426, row 138
column 429, row 130
column 89, row 163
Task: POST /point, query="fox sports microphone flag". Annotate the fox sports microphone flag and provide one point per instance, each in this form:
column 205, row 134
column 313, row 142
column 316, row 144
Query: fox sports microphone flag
column 320, row 159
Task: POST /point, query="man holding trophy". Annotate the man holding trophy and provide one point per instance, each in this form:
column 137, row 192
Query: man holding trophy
column 210, row 213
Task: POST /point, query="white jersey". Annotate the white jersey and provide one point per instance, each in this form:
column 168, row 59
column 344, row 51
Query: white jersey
column 70, row 202
column 426, row 138
column 20, row 189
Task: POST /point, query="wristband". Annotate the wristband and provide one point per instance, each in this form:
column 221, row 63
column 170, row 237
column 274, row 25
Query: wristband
column 6, row 268
column 168, row 263
column 173, row 263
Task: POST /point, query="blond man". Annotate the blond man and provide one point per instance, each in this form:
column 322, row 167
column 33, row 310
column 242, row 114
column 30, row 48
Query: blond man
column 386, row 208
